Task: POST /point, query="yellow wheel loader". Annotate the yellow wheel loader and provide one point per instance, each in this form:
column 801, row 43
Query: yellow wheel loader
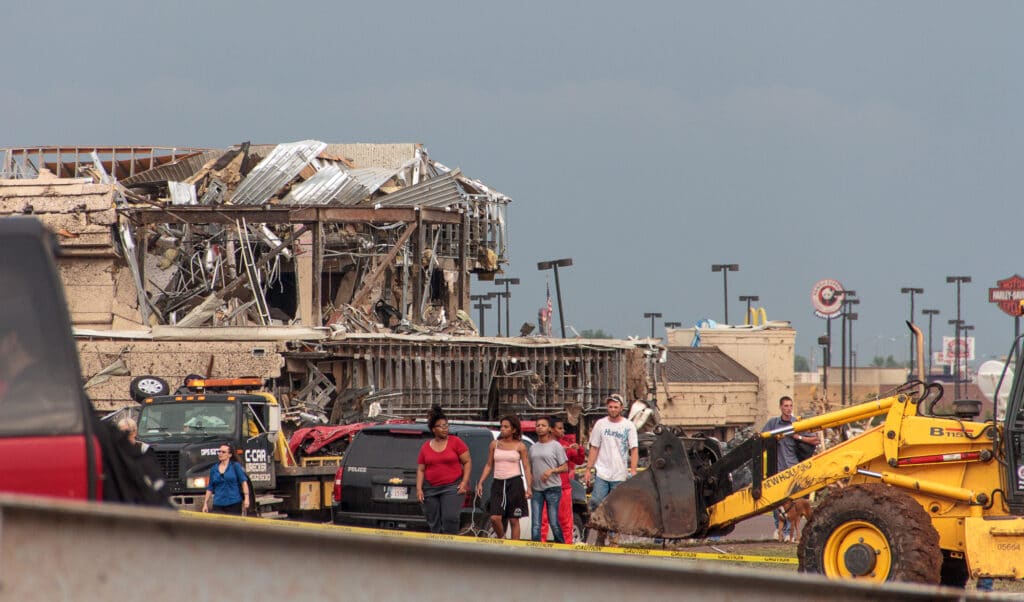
column 930, row 495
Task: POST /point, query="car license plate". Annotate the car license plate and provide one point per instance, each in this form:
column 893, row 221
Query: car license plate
column 396, row 492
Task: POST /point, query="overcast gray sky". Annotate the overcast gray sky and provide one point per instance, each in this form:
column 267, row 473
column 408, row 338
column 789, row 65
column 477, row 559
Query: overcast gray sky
column 870, row 142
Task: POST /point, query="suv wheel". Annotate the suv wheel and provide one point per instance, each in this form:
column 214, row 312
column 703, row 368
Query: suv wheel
column 145, row 386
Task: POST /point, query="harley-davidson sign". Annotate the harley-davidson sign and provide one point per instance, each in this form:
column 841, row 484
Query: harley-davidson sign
column 1008, row 294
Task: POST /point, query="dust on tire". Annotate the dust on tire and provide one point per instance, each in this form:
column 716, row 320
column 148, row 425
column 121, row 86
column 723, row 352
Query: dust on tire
column 913, row 541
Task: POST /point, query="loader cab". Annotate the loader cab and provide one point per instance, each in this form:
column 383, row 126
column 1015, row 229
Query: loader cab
column 47, row 445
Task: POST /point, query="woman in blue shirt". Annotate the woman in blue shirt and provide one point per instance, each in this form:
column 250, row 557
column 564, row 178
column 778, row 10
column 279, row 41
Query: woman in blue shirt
column 228, row 486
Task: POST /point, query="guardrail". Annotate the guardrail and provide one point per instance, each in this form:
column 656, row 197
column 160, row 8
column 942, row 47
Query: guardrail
column 58, row 550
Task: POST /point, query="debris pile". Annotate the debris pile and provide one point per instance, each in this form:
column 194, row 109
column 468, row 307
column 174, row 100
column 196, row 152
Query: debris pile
column 382, row 237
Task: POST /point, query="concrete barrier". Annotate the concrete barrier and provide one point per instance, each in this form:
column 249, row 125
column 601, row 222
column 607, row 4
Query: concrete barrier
column 57, row 550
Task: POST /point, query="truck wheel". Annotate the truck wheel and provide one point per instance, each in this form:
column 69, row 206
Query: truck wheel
column 872, row 532
column 145, row 386
column 577, row 528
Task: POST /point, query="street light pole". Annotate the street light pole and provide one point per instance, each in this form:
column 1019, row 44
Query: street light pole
column 554, row 265
column 965, row 329
column 931, row 313
column 824, row 343
column 959, row 280
column 725, row 268
column 652, row 315
column 481, row 306
column 499, row 295
column 748, row 299
column 912, row 291
column 508, row 302
column 850, row 319
column 848, row 299
column 956, row 324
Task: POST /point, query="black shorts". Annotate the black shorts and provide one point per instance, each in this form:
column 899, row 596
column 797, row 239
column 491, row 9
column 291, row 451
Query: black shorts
column 508, row 498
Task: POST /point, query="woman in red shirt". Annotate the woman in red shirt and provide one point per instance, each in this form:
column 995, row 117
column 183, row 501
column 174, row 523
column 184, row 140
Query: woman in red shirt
column 442, row 475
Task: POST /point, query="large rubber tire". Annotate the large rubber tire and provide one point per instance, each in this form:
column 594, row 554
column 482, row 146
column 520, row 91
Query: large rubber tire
column 146, row 385
column 871, row 532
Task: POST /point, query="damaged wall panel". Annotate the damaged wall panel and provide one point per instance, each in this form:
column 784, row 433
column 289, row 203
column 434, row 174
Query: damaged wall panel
column 173, row 361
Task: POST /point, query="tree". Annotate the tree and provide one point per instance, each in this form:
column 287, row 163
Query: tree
column 878, row 362
column 890, row 362
column 591, row 333
column 800, row 364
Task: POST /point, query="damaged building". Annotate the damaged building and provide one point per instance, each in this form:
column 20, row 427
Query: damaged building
column 338, row 273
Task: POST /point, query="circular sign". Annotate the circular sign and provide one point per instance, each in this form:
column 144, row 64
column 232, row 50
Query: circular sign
column 827, row 298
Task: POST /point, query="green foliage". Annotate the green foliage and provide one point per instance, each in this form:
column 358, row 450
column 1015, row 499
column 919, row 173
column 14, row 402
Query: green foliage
column 888, row 362
column 800, row 364
column 591, row 333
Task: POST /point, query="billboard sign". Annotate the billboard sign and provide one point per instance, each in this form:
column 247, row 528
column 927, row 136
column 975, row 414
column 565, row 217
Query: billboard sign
column 949, row 350
column 827, row 298
column 1008, row 294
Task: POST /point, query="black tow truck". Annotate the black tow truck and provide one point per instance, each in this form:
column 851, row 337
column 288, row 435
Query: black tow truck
column 184, row 431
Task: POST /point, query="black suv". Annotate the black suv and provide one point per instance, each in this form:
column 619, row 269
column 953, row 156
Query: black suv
column 376, row 484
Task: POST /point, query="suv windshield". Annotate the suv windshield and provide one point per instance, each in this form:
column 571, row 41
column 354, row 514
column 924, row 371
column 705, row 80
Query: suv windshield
column 190, row 419
column 385, row 449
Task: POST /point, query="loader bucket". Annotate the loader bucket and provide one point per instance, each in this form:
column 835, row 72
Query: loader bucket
column 658, row 502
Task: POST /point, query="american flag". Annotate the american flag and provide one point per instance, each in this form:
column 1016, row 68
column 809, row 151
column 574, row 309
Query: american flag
column 548, row 313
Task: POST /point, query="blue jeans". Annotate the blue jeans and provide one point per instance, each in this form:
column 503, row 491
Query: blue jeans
column 549, row 497
column 601, row 490
column 780, row 517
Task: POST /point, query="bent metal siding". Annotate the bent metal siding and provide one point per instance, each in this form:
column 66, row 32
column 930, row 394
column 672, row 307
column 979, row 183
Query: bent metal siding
column 474, row 379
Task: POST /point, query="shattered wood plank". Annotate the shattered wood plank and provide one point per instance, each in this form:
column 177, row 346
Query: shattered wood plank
column 373, row 278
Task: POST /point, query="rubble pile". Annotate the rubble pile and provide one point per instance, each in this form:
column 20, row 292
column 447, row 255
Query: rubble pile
column 227, row 249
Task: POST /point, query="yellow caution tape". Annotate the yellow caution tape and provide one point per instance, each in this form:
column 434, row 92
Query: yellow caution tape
column 520, row 543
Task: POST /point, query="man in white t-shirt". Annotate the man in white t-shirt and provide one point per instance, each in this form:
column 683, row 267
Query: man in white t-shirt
column 613, row 451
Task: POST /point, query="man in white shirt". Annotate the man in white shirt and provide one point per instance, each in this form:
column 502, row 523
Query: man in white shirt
column 613, row 451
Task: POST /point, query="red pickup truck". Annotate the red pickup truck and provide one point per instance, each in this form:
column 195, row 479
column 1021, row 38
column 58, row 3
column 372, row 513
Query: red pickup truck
column 51, row 442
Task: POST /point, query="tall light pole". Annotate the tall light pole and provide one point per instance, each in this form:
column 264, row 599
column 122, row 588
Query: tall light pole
column 554, row 264
column 481, row 306
column 966, row 328
column 673, row 324
column 508, row 302
column 725, row 268
column 931, row 313
column 823, row 342
column 959, row 280
column 850, row 319
column 499, row 295
column 848, row 299
column 748, row 299
column 912, row 291
column 956, row 324
column 652, row 315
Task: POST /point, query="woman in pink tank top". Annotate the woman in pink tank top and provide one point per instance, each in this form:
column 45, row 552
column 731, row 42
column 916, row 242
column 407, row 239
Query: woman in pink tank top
column 509, row 461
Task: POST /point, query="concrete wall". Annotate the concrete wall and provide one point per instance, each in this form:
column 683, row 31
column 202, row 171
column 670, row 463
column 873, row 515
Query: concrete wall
column 767, row 352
